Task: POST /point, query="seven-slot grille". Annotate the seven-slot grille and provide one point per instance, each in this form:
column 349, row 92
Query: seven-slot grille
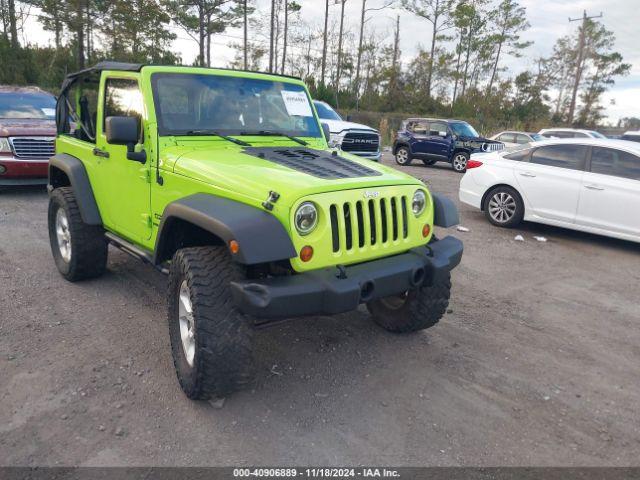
column 365, row 223
column 33, row 147
column 360, row 142
column 492, row 147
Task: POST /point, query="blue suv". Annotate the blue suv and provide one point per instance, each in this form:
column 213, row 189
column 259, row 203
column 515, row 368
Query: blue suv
column 433, row 140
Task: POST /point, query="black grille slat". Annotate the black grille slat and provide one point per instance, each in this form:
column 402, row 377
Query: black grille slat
column 394, row 218
column 372, row 221
column 36, row 148
column 335, row 235
column 360, row 223
column 405, row 218
column 347, row 226
column 360, row 142
column 316, row 163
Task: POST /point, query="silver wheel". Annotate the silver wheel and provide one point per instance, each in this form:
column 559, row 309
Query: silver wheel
column 402, row 156
column 502, row 207
column 459, row 162
column 63, row 235
column 187, row 324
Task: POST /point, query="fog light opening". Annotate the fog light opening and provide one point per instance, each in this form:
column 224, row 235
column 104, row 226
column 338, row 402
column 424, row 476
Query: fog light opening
column 366, row 291
column 417, row 277
column 306, row 253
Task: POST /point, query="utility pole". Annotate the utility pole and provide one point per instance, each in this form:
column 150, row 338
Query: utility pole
column 324, row 42
column 244, row 13
column 580, row 62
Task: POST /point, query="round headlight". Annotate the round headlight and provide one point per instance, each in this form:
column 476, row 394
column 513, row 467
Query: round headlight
column 419, row 202
column 306, row 218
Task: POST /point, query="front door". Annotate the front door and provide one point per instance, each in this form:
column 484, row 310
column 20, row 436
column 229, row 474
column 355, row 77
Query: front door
column 610, row 197
column 438, row 141
column 551, row 181
column 128, row 204
column 418, row 137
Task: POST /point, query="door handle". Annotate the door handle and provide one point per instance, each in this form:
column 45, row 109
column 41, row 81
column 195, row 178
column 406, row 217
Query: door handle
column 594, row 187
column 527, row 174
column 100, row 153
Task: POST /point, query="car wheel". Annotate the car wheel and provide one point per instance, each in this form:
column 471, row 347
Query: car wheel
column 429, row 162
column 413, row 310
column 79, row 250
column 210, row 338
column 403, row 156
column 503, row 207
column 459, row 162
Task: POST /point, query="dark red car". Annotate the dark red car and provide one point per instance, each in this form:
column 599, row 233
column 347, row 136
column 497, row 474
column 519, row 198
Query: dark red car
column 27, row 135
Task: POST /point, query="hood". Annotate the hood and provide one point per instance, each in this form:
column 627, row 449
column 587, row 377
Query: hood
column 232, row 169
column 337, row 126
column 15, row 127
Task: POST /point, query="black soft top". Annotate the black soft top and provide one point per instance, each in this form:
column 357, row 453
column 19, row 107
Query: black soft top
column 99, row 67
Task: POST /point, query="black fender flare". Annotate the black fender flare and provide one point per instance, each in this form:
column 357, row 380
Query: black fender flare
column 79, row 179
column 260, row 235
column 445, row 213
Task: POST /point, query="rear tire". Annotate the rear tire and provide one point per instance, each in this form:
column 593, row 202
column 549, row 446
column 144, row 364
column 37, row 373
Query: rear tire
column 79, row 250
column 210, row 339
column 403, row 156
column 415, row 310
column 503, row 207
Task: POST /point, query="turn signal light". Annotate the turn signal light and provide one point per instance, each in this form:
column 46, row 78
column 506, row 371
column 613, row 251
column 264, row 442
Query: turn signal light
column 234, row 246
column 306, row 253
column 473, row 164
column 426, row 230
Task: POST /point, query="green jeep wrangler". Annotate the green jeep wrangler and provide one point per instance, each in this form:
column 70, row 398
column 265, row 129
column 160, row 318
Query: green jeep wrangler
column 223, row 179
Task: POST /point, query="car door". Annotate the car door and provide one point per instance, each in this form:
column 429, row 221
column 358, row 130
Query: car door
column 438, row 141
column 551, row 181
column 610, row 196
column 418, row 135
column 128, row 202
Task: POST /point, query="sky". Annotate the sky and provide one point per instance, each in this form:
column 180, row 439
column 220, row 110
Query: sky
column 549, row 20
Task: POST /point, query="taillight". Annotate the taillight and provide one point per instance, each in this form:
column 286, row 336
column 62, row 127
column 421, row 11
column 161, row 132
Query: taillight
column 473, row 164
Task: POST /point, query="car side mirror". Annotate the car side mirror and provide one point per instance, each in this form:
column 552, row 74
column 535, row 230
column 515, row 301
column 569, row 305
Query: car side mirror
column 348, row 118
column 125, row 131
column 455, row 137
column 326, row 131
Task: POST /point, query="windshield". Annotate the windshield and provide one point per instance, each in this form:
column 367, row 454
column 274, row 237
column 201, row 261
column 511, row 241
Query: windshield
column 326, row 112
column 596, row 134
column 231, row 105
column 463, row 129
column 36, row 105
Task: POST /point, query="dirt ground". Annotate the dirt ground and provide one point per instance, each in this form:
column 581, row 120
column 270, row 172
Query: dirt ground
column 536, row 363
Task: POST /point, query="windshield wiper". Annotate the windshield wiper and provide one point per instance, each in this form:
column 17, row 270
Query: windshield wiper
column 269, row 133
column 216, row 134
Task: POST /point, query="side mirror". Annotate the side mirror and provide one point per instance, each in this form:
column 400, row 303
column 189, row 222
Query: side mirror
column 348, row 118
column 327, row 132
column 125, row 131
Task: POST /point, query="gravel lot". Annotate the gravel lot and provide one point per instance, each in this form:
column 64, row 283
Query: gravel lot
column 535, row 364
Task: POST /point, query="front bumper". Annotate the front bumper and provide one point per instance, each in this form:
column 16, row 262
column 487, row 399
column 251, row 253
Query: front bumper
column 329, row 291
column 15, row 171
column 376, row 156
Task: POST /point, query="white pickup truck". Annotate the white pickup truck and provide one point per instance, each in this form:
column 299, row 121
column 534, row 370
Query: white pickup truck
column 350, row 137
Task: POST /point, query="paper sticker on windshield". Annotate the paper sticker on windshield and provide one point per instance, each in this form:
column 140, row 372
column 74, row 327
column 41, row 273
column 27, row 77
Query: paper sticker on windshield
column 297, row 103
column 49, row 112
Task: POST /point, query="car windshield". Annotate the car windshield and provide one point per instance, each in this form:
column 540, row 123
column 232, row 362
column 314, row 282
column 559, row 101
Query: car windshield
column 228, row 105
column 38, row 105
column 596, row 134
column 463, row 129
column 326, row 112
column 536, row 137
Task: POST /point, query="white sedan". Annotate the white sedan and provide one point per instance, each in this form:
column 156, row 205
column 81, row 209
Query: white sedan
column 591, row 185
column 512, row 138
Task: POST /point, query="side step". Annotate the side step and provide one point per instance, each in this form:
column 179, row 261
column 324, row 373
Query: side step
column 134, row 251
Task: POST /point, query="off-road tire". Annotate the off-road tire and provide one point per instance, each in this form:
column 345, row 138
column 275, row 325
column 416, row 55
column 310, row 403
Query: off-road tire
column 223, row 359
column 403, row 156
column 516, row 218
column 429, row 162
column 89, row 247
column 422, row 308
column 459, row 161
